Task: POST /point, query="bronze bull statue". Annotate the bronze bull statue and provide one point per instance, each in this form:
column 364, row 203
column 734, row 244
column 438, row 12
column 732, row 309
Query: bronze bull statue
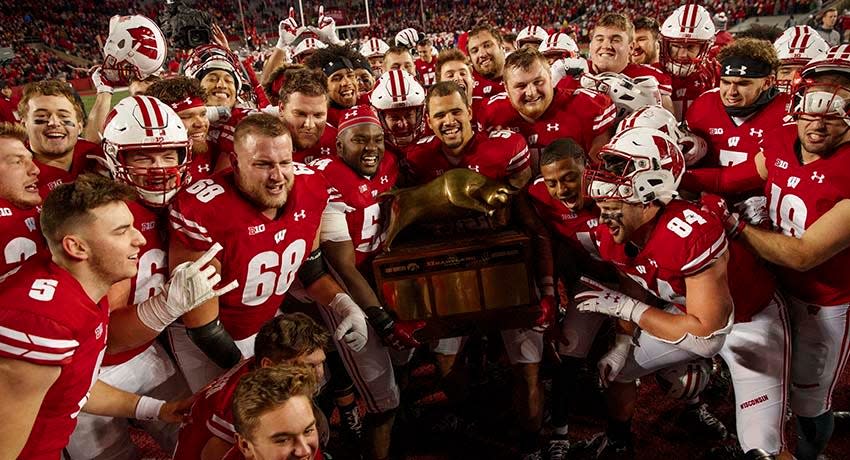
column 450, row 196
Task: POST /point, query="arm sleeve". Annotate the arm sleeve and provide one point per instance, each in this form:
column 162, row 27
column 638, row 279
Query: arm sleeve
column 334, row 224
column 740, row 178
column 185, row 225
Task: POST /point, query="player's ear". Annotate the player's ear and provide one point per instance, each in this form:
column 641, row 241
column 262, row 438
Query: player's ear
column 75, row 247
column 244, row 445
column 266, row 362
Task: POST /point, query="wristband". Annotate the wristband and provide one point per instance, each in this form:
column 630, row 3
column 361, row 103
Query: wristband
column 148, row 408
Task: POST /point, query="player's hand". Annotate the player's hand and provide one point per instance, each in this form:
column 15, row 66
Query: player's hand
column 753, row 210
column 693, row 148
column 548, row 313
column 219, row 38
column 100, row 82
column 572, row 67
column 326, row 30
column 716, row 205
column 287, row 30
column 352, row 330
column 176, row 411
column 193, row 283
column 613, row 362
column 600, row 299
column 394, row 333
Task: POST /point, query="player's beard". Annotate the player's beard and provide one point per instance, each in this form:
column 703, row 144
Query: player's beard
column 261, row 193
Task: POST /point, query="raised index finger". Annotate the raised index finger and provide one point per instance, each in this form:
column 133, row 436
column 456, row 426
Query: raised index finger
column 206, row 257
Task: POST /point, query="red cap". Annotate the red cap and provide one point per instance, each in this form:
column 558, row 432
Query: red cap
column 357, row 115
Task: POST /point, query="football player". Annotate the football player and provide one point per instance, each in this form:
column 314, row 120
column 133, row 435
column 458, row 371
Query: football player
column 426, row 62
column 501, row 156
column 273, row 416
column 569, row 220
column 337, row 63
column 186, row 97
column 400, row 102
column 532, row 36
column 51, row 356
column 53, row 121
column 353, row 231
column 146, row 146
column 399, row 57
column 734, row 118
column 274, row 209
column 304, row 110
column 677, row 252
column 795, row 48
column 611, row 46
column 802, row 168
column 20, row 236
column 541, row 113
column 646, row 45
column 686, row 39
column 221, row 76
column 453, row 65
column 374, row 50
column 293, row 339
column 484, row 47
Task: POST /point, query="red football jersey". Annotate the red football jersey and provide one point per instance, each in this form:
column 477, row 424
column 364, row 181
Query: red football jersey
column 221, row 133
column 335, row 113
column 357, row 196
column 46, row 318
column 426, row 71
column 153, row 267
column 573, row 228
column 211, row 414
column 262, row 254
column 326, row 147
column 730, row 143
column 665, row 83
column 497, row 155
column 203, row 164
column 799, row 195
column 51, row 177
column 581, row 115
column 687, row 89
column 684, row 241
column 20, row 236
column 484, row 87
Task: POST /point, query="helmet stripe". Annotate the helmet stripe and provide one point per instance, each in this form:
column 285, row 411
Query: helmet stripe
column 160, row 122
column 146, row 116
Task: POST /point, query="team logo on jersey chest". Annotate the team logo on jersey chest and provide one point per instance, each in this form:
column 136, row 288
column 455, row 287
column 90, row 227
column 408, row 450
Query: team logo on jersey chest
column 302, row 214
column 325, row 150
column 5, row 212
column 733, row 141
column 253, row 230
column 715, row 131
column 278, row 237
column 818, row 177
column 385, row 179
column 204, row 168
column 552, row 127
column 363, row 188
column 781, row 164
column 793, row 181
column 30, row 223
column 756, row 132
column 148, row 226
column 98, row 331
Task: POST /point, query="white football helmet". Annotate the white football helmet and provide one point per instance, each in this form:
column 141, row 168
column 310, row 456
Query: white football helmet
column 134, row 49
column 639, row 165
column 628, row 94
column 531, row 34
column 146, row 123
column 558, row 46
column 407, row 37
column 686, row 380
column 688, row 25
column 693, row 147
column 397, row 89
column 307, row 47
column 796, row 47
column 213, row 57
column 818, row 98
column 374, row 47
